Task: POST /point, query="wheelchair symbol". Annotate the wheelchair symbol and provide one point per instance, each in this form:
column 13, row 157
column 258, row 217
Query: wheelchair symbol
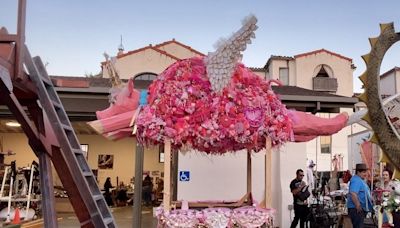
column 184, row 176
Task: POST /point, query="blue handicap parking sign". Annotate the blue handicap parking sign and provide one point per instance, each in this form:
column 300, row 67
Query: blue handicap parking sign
column 184, row 176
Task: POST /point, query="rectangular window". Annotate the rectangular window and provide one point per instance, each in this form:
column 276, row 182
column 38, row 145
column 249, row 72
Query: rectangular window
column 326, row 142
column 284, row 75
column 161, row 153
column 85, row 150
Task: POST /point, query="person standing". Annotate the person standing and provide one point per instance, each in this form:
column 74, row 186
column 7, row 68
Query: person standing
column 297, row 186
column 147, row 190
column 359, row 201
column 387, row 188
column 107, row 192
column 387, row 181
column 310, row 175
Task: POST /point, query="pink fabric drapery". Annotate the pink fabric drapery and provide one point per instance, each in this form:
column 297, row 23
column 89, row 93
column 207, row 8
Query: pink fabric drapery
column 367, row 156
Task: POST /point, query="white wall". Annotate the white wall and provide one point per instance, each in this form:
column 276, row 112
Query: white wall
column 18, row 143
column 397, row 79
column 388, row 84
column 292, row 157
column 339, row 146
column 342, row 71
column 274, row 70
column 123, row 151
column 277, row 64
column 261, row 74
column 224, row 177
column 147, row 59
column 213, row 177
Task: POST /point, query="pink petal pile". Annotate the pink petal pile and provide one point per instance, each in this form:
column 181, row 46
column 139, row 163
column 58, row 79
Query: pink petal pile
column 247, row 217
column 183, row 108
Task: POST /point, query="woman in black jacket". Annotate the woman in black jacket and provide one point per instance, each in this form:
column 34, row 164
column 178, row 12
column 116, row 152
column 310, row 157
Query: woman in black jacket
column 147, row 190
column 107, row 193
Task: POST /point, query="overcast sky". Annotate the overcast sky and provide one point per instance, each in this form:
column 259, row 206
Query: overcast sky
column 71, row 35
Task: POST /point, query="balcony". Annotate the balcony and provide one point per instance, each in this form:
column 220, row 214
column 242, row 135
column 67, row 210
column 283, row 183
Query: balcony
column 325, row 84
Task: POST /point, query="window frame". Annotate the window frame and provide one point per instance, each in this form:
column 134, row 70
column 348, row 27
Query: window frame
column 280, row 74
column 161, row 154
column 85, row 150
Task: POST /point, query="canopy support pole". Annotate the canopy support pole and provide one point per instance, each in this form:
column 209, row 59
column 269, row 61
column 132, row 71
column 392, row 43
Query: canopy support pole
column 249, row 178
column 167, row 175
column 137, row 204
column 268, row 173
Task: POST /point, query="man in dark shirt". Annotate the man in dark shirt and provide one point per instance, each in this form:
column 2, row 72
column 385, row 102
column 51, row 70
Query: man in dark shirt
column 300, row 206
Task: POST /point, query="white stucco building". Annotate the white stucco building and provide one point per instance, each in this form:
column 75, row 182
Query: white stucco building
column 390, row 82
column 320, row 70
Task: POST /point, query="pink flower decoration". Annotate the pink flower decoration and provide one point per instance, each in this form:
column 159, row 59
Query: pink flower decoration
column 255, row 116
column 183, row 108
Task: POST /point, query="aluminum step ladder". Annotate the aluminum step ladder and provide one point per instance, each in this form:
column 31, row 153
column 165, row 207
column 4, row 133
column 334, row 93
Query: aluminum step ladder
column 10, row 174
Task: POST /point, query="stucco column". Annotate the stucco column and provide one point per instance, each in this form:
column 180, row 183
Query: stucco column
column 291, row 157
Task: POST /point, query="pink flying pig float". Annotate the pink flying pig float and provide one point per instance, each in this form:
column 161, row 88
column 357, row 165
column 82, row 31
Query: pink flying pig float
column 212, row 104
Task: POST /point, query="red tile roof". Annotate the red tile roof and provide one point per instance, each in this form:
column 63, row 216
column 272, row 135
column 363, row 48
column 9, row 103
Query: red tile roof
column 93, row 81
column 277, row 57
column 166, row 53
column 180, row 44
column 143, row 49
column 157, row 48
column 257, row 68
column 323, row 50
column 59, row 82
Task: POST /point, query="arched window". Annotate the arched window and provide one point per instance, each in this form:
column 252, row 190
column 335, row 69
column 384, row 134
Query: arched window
column 322, row 73
column 143, row 80
column 323, row 70
column 323, row 79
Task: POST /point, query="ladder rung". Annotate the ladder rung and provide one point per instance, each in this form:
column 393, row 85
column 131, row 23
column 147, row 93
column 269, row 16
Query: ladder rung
column 47, row 81
column 56, row 104
column 108, row 220
column 77, row 151
column 87, row 174
column 97, row 197
column 89, row 221
column 67, row 127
